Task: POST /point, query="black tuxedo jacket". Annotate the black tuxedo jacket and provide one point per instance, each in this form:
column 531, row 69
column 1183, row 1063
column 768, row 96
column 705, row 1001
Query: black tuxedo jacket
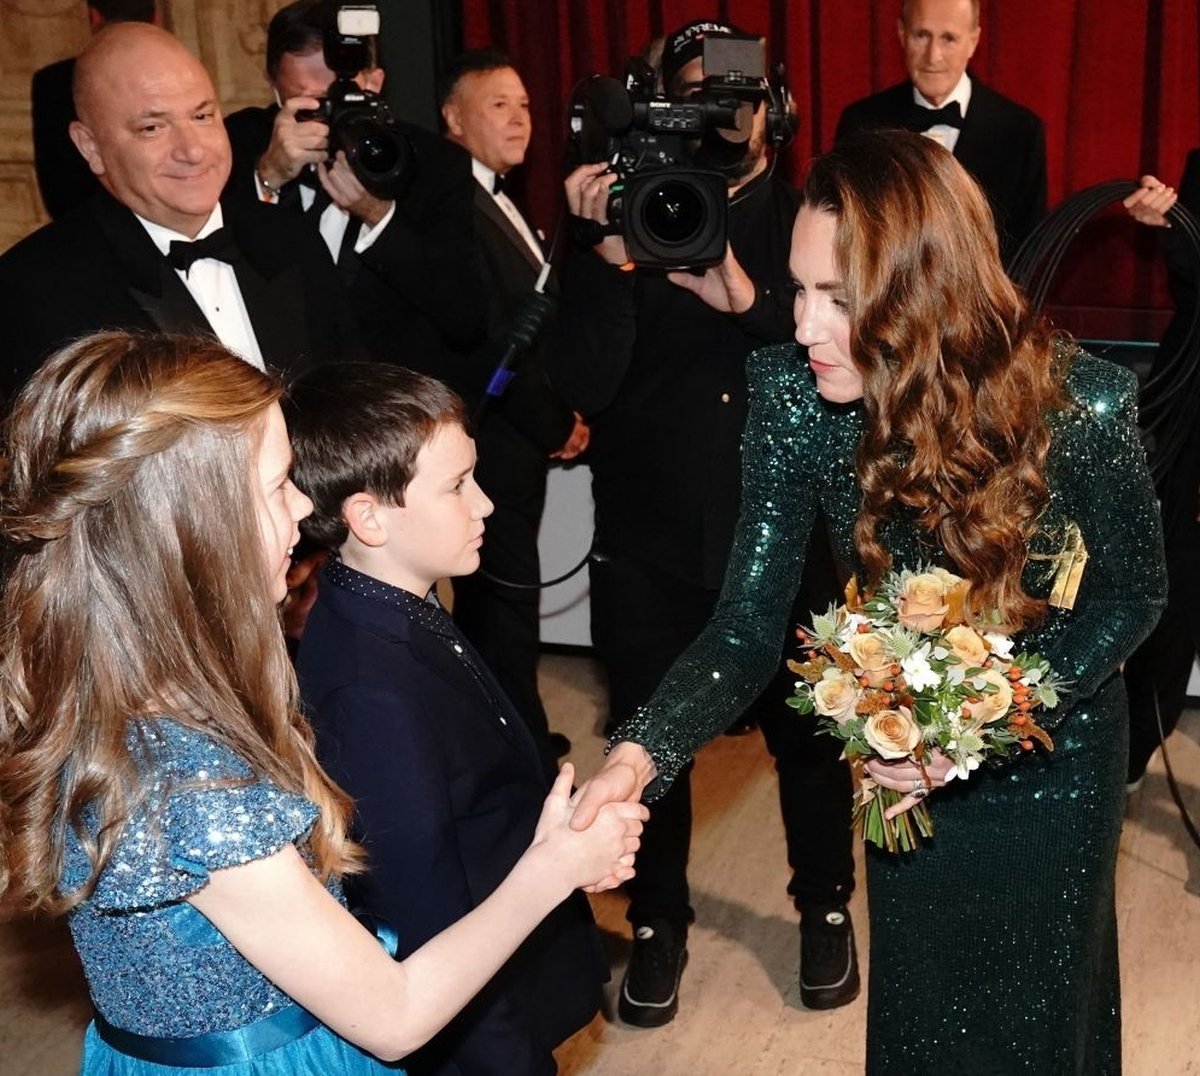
column 97, row 268
column 1002, row 144
column 448, row 788
column 529, row 407
column 416, row 291
column 63, row 176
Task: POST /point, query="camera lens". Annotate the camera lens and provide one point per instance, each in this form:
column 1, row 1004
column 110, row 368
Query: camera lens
column 673, row 212
column 378, row 153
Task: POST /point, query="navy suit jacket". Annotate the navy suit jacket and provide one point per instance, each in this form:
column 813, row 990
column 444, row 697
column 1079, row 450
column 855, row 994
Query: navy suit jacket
column 448, row 788
column 1002, row 144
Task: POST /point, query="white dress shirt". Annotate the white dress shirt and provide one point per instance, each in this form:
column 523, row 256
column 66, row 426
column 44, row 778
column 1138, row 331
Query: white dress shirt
column 213, row 284
column 487, row 179
column 334, row 219
column 943, row 132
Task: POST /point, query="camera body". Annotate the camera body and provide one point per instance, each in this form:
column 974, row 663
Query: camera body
column 674, row 156
column 360, row 122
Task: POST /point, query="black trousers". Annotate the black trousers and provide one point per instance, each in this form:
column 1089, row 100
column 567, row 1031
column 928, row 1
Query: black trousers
column 642, row 620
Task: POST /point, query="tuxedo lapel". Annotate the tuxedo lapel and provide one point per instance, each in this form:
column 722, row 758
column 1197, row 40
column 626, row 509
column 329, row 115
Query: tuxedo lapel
column 486, row 204
column 171, row 306
column 153, row 284
column 275, row 305
column 976, row 138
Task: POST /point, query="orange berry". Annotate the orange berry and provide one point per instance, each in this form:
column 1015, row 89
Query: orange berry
column 895, row 670
column 1024, row 706
column 1020, row 719
column 888, row 685
column 1026, row 745
column 863, row 629
column 864, row 681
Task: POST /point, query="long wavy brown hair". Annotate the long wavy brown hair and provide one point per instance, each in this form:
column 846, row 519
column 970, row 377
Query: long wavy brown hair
column 958, row 374
column 135, row 586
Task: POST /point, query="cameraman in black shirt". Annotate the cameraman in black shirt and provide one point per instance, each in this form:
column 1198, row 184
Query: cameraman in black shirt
column 656, row 364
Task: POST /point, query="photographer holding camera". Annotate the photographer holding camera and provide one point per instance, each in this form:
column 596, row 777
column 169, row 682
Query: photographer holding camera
column 391, row 200
column 655, row 362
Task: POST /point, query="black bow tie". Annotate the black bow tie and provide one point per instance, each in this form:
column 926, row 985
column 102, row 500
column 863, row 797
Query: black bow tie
column 218, row 245
column 498, row 184
column 921, row 119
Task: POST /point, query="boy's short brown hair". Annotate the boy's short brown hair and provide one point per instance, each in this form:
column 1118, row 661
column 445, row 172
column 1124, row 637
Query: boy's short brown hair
column 357, row 427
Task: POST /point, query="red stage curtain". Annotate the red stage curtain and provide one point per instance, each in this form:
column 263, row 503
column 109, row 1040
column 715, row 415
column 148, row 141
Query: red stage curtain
column 1117, row 84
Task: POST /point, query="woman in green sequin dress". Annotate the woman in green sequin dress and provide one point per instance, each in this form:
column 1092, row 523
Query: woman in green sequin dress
column 935, row 420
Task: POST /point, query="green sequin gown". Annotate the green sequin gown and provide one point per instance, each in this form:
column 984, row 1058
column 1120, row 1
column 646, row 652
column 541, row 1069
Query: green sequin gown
column 993, row 946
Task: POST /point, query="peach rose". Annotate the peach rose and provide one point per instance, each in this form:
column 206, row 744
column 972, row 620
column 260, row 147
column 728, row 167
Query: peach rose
column 967, row 645
column 923, row 602
column 957, row 589
column 994, row 704
column 870, row 655
column 836, row 696
column 892, row 733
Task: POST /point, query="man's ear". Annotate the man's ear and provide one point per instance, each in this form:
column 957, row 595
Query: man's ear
column 85, row 142
column 362, row 516
column 452, row 114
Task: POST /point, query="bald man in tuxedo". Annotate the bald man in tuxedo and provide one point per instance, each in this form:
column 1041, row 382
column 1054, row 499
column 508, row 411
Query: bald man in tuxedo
column 154, row 248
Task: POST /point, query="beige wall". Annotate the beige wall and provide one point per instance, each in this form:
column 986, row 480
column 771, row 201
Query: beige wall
column 228, row 35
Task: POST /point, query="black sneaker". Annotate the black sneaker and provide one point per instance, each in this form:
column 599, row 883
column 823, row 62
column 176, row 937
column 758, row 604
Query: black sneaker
column 650, row 989
column 828, row 960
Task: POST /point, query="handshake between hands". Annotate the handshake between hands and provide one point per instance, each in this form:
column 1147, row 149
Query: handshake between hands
column 594, row 834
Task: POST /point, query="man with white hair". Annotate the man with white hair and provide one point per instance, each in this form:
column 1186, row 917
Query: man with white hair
column 1001, row 143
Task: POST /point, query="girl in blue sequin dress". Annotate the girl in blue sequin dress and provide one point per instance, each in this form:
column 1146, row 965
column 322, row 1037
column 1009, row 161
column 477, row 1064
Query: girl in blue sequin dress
column 157, row 782
column 934, row 420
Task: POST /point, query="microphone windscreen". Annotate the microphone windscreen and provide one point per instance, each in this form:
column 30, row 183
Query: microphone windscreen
column 610, row 104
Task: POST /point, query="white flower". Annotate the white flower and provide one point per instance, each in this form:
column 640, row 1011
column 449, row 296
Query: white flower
column 1002, row 645
column 962, row 769
column 917, row 670
column 848, row 629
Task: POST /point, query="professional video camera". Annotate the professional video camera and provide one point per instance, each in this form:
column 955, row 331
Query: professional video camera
column 360, row 122
column 675, row 157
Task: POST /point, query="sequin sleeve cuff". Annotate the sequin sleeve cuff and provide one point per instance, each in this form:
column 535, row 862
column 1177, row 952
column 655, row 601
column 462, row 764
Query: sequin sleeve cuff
column 668, row 760
column 188, row 827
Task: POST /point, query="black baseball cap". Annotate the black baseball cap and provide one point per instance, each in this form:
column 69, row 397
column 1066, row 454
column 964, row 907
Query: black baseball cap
column 686, row 43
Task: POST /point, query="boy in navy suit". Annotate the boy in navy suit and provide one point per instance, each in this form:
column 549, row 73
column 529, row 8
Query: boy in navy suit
column 447, row 781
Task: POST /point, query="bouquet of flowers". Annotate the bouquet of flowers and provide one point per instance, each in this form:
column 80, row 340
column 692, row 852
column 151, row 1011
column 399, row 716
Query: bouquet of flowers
column 900, row 672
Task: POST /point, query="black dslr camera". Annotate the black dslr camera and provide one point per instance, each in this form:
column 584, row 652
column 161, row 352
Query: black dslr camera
column 675, row 157
column 360, row 122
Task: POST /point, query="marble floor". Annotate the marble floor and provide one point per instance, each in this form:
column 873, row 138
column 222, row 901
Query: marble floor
column 740, row 1010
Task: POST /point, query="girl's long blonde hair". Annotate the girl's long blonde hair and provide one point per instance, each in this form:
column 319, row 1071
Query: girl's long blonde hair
column 135, row 586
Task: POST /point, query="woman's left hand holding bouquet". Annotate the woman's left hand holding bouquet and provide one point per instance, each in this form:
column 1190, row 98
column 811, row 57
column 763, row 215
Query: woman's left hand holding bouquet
column 906, row 776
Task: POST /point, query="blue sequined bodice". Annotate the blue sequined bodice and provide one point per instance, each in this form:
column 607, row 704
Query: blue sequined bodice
column 155, row 965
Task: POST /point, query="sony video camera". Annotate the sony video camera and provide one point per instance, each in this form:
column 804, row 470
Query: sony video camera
column 360, row 122
column 675, row 157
